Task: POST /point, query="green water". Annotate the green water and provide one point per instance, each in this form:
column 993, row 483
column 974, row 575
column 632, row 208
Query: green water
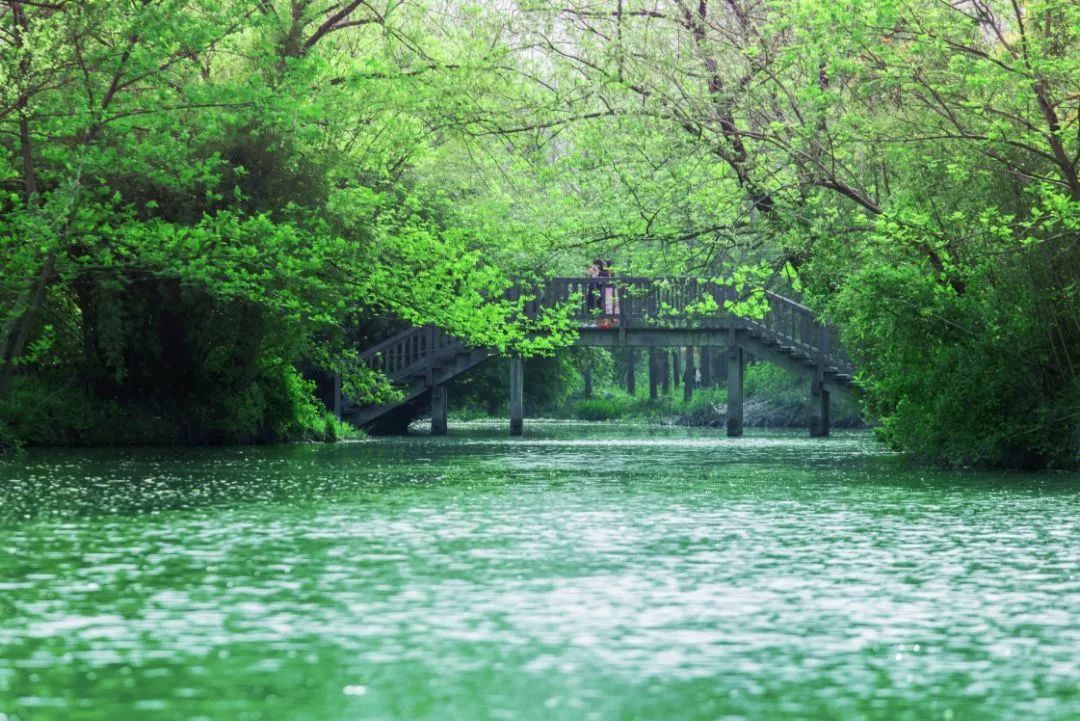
column 582, row 572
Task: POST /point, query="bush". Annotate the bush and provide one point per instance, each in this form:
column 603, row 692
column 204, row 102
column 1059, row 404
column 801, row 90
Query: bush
column 968, row 378
column 613, row 403
column 278, row 406
column 603, row 409
column 36, row 411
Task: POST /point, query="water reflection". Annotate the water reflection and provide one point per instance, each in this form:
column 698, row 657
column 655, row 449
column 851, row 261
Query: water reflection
column 581, row 572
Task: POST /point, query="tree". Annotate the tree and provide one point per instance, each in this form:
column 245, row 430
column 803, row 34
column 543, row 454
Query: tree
column 222, row 191
column 909, row 165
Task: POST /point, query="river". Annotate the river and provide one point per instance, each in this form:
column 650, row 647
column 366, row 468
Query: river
column 585, row 571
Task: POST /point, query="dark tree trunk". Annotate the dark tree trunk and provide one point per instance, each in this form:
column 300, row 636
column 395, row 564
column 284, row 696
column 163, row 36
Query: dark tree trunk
column 664, row 361
column 84, row 297
column 654, row 374
column 706, row 354
column 689, row 377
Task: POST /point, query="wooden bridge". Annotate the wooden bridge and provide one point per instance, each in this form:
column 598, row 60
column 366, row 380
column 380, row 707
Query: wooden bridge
column 621, row 312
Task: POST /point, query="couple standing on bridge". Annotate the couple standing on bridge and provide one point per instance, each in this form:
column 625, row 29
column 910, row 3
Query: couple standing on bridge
column 602, row 299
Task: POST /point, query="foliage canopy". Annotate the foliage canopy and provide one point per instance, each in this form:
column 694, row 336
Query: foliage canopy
column 216, row 194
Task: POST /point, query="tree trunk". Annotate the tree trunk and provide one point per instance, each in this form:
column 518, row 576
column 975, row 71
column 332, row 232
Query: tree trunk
column 17, row 328
column 689, row 377
column 706, row 354
column 654, row 374
column 15, row 344
column 84, row 296
column 664, row 361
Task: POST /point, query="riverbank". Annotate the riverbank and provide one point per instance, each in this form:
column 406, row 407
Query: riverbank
column 757, row 413
column 34, row 414
column 763, row 413
column 708, row 409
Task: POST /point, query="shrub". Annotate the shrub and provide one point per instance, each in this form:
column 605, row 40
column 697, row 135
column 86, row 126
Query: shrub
column 603, row 409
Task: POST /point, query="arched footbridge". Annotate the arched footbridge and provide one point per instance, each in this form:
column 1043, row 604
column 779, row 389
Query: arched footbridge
column 623, row 312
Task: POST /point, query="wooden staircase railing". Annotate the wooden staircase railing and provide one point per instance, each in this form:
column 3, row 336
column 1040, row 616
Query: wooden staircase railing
column 411, row 351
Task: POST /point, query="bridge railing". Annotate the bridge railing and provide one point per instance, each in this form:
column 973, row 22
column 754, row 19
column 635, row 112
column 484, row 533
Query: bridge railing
column 683, row 302
column 633, row 301
column 411, row 351
column 629, row 302
column 793, row 324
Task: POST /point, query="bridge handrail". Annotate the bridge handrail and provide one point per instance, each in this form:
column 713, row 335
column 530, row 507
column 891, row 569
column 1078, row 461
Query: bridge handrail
column 388, row 342
column 787, row 321
column 410, row 351
column 788, row 302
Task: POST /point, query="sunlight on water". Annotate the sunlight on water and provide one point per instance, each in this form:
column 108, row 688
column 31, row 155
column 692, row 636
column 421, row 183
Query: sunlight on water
column 581, row 572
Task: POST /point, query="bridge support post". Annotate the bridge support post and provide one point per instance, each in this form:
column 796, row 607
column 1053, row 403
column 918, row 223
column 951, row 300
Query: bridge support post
column 736, row 367
column 819, row 396
column 631, row 371
column 676, row 373
column 819, row 410
column 586, row 379
column 438, row 409
column 517, row 404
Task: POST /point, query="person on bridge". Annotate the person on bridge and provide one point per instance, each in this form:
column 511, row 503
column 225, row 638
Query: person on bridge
column 611, row 297
column 593, row 295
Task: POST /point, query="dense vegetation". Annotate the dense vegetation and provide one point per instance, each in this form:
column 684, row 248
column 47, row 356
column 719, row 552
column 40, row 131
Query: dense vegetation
column 556, row 388
column 202, row 199
column 205, row 204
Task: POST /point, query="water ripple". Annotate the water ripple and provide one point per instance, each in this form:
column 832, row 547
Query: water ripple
column 582, row 572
